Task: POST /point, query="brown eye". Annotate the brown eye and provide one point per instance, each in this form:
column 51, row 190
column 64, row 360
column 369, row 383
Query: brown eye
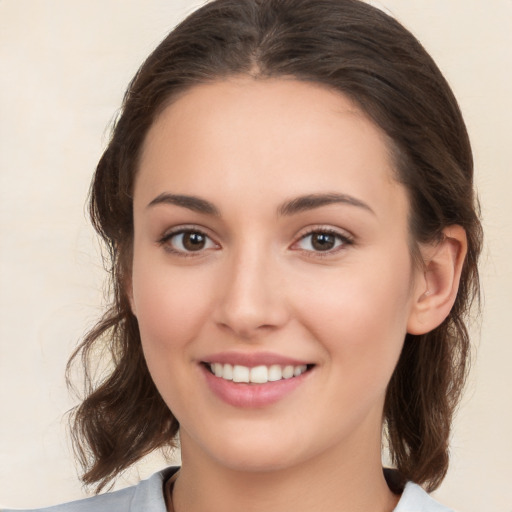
column 322, row 241
column 193, row 241
column 189, row 241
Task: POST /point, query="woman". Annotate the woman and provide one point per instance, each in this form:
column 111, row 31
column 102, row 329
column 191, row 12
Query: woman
column 288, row 202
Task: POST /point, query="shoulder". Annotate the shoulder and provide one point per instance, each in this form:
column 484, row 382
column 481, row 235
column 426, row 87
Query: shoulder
column 146, row 496
column 416, row 499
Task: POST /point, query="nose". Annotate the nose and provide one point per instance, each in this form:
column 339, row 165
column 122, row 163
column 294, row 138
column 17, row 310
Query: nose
column 251, row 299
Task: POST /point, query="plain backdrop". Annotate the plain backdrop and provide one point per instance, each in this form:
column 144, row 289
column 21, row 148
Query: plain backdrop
column 64, row 65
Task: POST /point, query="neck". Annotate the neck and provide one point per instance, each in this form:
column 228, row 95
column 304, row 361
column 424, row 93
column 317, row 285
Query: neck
column 333, row 483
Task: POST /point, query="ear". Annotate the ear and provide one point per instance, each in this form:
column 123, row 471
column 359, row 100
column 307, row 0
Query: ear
column 436, row 290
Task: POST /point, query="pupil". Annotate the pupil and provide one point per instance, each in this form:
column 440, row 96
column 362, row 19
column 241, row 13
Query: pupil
column 193, row 241
column 323, row 241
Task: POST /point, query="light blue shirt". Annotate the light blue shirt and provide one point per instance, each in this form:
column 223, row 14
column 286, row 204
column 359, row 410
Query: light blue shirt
column 148, row 496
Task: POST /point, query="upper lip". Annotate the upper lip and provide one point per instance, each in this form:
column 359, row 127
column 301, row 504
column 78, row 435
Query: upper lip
column 252, row 359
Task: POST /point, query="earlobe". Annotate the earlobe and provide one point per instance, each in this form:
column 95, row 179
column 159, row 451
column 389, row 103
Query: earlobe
column 436, row 290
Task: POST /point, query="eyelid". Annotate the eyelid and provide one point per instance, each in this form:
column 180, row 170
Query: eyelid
column 187, row 228
column 347, row 239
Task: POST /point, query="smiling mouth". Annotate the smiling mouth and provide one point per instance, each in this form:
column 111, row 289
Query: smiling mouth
column 261, row 374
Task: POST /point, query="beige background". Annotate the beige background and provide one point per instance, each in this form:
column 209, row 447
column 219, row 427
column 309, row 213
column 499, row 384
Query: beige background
column 64, row 67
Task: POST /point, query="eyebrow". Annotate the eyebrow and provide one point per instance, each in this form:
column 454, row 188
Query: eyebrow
column 191, row 202
column 292, row 207
column 312, row 201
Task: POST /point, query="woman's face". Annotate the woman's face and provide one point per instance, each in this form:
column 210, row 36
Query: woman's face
column 271, row 240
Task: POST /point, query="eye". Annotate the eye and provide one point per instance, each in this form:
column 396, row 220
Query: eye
column 322, row 241
column 187, row 241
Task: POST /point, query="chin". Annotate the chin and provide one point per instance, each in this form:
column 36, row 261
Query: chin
column 256, row 460
column 251, row 452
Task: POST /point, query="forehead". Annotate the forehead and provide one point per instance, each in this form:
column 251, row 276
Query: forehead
column 269, row 138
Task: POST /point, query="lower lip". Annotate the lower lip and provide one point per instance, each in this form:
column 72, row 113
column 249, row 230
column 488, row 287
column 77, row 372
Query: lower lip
column 240, row 394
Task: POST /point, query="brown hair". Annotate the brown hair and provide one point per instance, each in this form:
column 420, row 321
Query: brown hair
column 365, row 54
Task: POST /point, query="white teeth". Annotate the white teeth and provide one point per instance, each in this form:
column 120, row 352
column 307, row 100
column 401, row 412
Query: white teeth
column 227, row 372
column 217, row 369
column 288, row 372
column 275, row 373
column 298, row 370
column 240, row 373
column 257, row 374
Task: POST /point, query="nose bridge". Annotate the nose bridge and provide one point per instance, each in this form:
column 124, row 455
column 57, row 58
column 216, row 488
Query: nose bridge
column 252, row 297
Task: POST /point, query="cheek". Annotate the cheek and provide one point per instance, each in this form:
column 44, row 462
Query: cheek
column 361, row 327
column 360, row 314
column 169, row 303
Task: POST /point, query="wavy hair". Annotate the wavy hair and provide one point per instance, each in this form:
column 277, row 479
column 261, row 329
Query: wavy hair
column 361, row 52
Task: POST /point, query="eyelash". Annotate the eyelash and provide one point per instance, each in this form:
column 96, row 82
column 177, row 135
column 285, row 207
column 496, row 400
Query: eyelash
column 342, row 239
column 167, row 237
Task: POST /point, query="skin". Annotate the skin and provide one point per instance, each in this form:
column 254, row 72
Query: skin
column 259, row 285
